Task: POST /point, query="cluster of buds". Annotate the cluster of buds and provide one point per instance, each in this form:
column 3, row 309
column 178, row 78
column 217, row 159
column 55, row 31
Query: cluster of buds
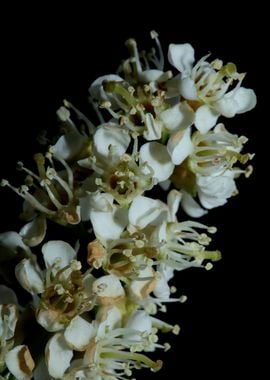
column 95, row 303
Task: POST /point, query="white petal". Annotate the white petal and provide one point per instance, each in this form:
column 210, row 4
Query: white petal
column 214, row 191
column 7, row 295
column 177, row 117
column 34, row 232
column 69, row 145
column 95, row 201
column 162, row 289
column 180, row 146
column 157, row 157
column 167, row 272
column 191, row 207
column 188, row 89
column 109, row 225
column 159, row 234
column 108, row 286
column 111, row 136
column 205, row 119
column 8, row 320
column 237, row 101
column 144, row 284
column 50, row 319
column 181, row 56
column 102, row 202
column 108, row 317
column 29, row 276
column 96, row 89
column 152, row 75
column 11, row 244
column 139, row 321
column 20, row 362
column 144, row 211
column 79, row 333
column 58, row 251
column 58, row 356
column 153, row 128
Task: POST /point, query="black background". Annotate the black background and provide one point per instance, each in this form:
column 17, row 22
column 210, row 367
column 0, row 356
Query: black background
column 50, row 54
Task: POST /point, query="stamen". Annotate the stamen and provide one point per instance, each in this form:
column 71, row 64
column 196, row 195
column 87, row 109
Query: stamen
column 154, row 35
column 118, row 88
column 131, row 44
column 81, row 116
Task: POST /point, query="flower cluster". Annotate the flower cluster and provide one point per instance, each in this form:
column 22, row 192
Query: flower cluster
column 95, row 303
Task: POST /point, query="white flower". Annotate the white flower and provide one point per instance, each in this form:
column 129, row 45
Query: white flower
column 217, row 151
column 65, row 291
column 122, row 175
column 206, row 85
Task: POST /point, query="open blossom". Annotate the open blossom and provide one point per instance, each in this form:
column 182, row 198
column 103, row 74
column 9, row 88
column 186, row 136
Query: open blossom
column 210, row 171
column 64, row 290
column 206, row 87
column 93, row 294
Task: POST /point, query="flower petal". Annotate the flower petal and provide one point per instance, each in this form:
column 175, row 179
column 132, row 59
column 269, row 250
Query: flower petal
column 180, row 116
column 188, row 89
column 139, row 321
column 58, row 251
column 96, row 89
column 153, row 128
column 108, row 317
column 51, row 320
column 58, row 356
column 69, row 145
column 8, row 321
column 205, row 118
column 108, row 286
column 152, row 75
column 7, row 295
column 79, row 333
column 143, row 284
column 144, row 211
column 20, row 362
column 214, row 191
column 108, row 225
column 180, row 146
column 11, row 243
column 157, row 157
column 236, row 101
column 29, row 276
column 181, row 56
column 191, row 207
column 162, row 289
column 111, row 137
column 34, row 232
